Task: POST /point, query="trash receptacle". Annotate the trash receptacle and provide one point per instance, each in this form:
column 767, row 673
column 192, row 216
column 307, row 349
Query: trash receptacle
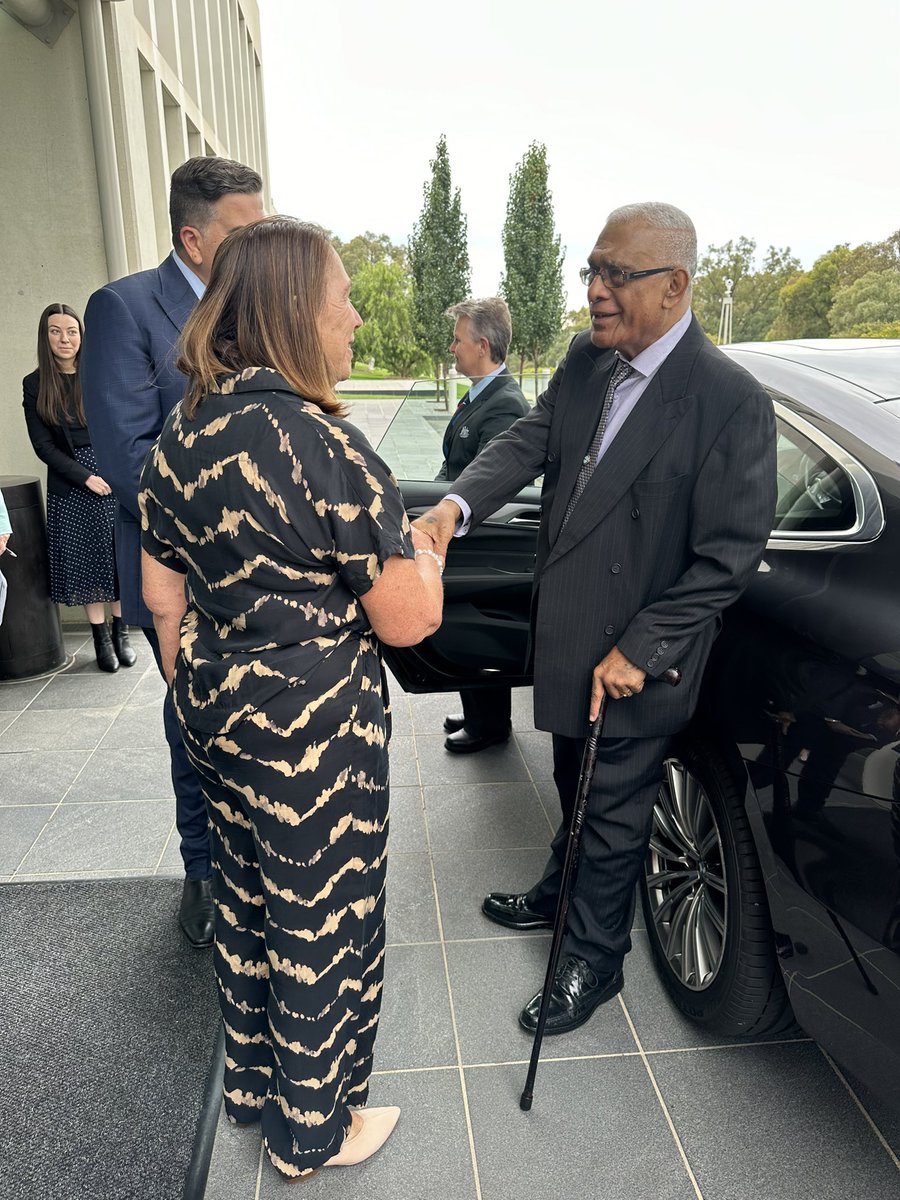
column 31, row 640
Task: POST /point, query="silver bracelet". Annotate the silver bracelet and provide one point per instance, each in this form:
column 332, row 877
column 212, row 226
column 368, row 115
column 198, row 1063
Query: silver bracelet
column 431, row 554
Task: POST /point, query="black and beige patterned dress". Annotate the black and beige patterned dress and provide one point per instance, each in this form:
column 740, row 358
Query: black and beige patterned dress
column 281, row 518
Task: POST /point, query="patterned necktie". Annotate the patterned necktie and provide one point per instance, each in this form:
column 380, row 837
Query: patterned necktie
column 621, row 371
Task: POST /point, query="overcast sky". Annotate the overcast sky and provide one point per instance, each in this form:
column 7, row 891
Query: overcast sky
column 777, row 120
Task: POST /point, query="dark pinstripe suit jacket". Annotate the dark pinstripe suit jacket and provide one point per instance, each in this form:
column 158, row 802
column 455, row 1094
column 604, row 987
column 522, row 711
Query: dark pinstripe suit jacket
column 668, row 532
column 130, row 385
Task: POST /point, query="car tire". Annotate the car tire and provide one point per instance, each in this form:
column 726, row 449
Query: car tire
column 704, row 901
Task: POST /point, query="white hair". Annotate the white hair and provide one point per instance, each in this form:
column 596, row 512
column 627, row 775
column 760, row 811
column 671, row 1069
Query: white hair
column 679, row 237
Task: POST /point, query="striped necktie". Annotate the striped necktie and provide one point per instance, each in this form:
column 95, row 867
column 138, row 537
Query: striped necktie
column 621, row 371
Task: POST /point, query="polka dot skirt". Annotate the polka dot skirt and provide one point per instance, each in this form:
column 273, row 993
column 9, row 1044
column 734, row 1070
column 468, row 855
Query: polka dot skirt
column 80, row 532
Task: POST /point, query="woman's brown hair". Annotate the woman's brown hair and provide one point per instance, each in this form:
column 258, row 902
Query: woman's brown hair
column 261, row 309
column 56, row 405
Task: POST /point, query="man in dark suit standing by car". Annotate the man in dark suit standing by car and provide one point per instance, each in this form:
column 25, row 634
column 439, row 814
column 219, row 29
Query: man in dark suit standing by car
column 480, row 343
column 130, row 384
column 658, row 456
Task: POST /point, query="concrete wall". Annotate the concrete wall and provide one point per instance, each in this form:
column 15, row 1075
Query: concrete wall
column 179, row 78
column 51, row 240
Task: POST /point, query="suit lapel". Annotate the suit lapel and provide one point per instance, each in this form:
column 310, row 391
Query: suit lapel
column 174, row 296
column 464, row 415
column 647, row 427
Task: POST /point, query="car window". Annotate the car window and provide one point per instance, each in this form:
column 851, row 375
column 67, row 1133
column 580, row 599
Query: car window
column 814, row 492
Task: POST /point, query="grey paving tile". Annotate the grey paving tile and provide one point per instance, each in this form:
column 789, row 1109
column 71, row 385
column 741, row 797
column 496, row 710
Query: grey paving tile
column 595, row 1130
column 537, row 750
column 774, row 1115
column 86, row 691
column 497, row 764
column 407, row 828
column 87, row 837
column 549, row 796
column 487, row 816
column 6, row 719
column 465, row 877
column 411, row 911
column 401, row 717
column 428, row 711
column 19, row 828
column 402, row 756
column 15, row 696
column 80, row 729
column 523, row 709
column 149, row 689
column 658, row 1023
column 427, row 1155
column 171, row 862
column 234, row 1166
column 415, row 1028
column 491, row 981
column 132, row 873
column 886, row 1118
column 136, row 727
column 39, row 776
column 133, row 774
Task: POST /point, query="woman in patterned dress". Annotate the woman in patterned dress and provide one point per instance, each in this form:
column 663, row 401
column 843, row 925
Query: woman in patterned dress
column 277, row 554
column 81, row 508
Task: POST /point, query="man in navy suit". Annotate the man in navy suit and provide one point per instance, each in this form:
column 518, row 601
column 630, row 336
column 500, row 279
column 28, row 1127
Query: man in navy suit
column 658, row 457
column 130, row 385
column 481, row 340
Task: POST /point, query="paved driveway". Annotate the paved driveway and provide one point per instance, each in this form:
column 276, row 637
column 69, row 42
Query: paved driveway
column 635, row 1105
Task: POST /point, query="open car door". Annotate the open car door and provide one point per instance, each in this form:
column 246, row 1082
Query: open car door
column 488, row 574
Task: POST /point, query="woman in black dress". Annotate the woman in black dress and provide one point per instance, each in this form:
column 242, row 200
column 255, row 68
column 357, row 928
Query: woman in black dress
column 277, row 554
column 80, row 505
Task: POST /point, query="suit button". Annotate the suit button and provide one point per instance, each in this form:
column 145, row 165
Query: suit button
column 663, row 645
column 615, row 568
column 551, row 458
column 609, row 631
column 654, row 659
column 635, row 512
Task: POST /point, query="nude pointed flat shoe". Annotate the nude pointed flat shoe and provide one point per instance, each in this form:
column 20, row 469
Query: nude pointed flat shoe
column 374, row 1127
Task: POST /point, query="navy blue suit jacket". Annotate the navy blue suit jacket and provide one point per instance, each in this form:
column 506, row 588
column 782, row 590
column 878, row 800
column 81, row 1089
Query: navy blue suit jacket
column 130, row 385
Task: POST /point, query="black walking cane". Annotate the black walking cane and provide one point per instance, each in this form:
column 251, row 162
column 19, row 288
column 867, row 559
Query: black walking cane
column 588, row 762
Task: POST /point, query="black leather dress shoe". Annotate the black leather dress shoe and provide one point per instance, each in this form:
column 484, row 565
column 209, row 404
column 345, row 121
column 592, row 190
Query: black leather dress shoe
column 463, row 742
column 513, row 912
column 197, row 913
column 453, row 721
column 576, row 992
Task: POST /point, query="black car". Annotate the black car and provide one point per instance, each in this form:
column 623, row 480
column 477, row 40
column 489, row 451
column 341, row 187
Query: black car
column 772, row 887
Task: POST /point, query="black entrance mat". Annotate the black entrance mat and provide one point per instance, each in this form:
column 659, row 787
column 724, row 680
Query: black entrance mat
column 108, row 1020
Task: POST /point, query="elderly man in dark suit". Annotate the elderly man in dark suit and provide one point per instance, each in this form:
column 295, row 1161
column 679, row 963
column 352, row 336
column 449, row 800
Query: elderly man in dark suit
column 480, row 343
column 658, row 456
column 130, row 384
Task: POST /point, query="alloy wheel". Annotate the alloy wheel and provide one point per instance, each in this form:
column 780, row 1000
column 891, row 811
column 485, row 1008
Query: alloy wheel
column 686, row 882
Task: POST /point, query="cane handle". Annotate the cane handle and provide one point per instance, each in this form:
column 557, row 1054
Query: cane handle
column 672, row 676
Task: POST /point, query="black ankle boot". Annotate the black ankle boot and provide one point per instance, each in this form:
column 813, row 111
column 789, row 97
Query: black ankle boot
column 124, row 652
column 103, row 648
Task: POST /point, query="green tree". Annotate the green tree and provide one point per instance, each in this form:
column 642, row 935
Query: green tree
column 755, row 294
column 575, row 320
column 532, row 284
column 382, row 293
column 867, row 304
column 366, row 249
column 804, row 304
column 439, row 260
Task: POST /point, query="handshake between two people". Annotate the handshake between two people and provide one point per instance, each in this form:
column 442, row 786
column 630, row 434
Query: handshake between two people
column 434, row 529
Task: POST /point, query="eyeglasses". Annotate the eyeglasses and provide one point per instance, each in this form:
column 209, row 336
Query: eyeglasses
column 615, row 277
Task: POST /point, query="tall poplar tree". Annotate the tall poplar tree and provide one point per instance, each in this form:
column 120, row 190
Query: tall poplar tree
column 438, row 260
column 532, row 284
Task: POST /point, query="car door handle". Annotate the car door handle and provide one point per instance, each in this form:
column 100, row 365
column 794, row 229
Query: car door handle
column 525, row 519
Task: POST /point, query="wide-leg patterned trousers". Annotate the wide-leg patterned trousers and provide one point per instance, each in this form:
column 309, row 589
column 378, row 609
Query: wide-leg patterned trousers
column 298, row 803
